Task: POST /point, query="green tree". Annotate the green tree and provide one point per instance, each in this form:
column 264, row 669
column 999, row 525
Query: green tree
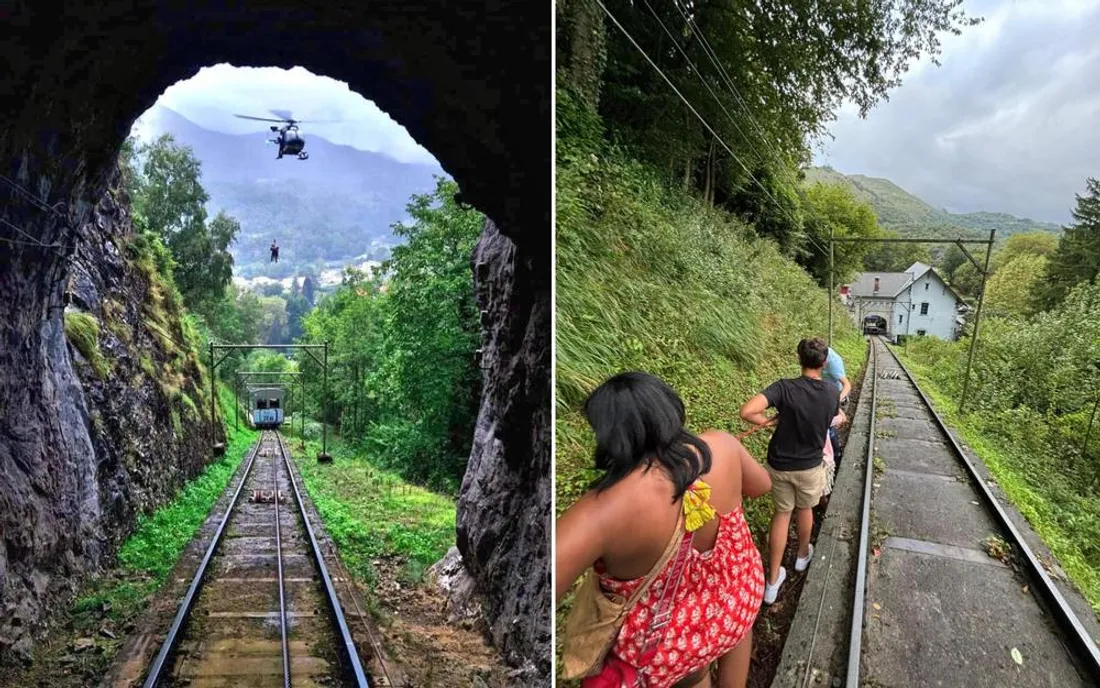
column 895, row 257
column 168, row 200
column 1028, row 243
column 967, row 279
column 273, row 323
column 1010, row 291
column 767, row 80
column 833, row 210
column 402, row 372
column 272, row 289
column 1077, row 258
column 773, row 207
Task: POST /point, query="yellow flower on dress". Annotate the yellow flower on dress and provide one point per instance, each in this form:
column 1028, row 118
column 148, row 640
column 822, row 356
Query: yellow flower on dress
column 697, row 508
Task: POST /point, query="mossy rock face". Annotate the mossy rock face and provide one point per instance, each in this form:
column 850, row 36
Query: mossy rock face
column 82, row 331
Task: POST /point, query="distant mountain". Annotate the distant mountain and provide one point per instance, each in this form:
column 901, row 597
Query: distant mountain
column 906, row 214
column 337, row 205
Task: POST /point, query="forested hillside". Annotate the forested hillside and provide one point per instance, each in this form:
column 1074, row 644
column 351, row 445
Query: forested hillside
column 338, row 205
column 906, row 214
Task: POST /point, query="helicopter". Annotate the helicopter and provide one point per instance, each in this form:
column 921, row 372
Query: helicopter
column 288, row 139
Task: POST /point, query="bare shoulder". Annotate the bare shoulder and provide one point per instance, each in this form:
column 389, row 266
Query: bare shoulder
column 720, row 441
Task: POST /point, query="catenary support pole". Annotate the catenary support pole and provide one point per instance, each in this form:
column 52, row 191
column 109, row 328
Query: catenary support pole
column 213, row 396
column 977, row 321
column 829, row 301
column 237, row 401
column 324, row 411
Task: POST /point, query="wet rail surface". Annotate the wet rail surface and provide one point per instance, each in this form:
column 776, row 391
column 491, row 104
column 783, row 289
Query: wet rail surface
column 261, row 610
column 931, row 606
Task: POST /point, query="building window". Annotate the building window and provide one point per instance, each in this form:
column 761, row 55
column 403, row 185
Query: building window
column 899, row 318
column 921, row 333
column 924, row 308
column 926, row 285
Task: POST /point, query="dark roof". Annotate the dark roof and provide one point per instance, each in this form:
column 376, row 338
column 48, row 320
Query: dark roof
column 890, row 284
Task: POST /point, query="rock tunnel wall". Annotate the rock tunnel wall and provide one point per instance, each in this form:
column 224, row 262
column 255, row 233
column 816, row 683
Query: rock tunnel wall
column 101, row 404
column 469, row 82
column 504, row 505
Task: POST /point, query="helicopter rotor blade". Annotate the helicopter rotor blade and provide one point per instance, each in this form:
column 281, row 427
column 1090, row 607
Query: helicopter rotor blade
column 259, row 119
column 285, row 115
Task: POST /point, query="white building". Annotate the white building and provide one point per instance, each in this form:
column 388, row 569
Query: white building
column 916, row 302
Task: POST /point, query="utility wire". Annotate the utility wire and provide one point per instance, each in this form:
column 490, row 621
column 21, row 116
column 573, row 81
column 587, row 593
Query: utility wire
column 785, row 162
column 697, row 115
column 713, row 56
column 732, row 119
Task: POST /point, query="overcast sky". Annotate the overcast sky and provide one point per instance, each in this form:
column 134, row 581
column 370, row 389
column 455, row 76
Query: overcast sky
column 1010, row 122
column 215, row 94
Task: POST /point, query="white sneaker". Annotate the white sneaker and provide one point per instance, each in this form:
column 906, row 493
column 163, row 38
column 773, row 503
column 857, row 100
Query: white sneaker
column 801, row 564
column 772, row 591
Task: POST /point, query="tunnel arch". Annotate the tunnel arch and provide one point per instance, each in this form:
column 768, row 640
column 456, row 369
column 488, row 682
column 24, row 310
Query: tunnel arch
column 472, row 84
column 473, row 87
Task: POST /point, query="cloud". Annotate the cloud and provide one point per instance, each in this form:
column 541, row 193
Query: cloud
column 215, row 94
column 1007, row 123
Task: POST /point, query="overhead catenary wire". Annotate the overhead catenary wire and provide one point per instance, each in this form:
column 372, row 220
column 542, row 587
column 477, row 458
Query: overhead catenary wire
column 783, row 162
column 713, row 56
column 698, row 116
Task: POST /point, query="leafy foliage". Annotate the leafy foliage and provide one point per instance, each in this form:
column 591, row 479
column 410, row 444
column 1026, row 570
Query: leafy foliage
column 782, row 72
column 403, row 376
column 1077, row 258
column 835, row 212
column 1011, row 290
column 163, row 181
column 895, row 256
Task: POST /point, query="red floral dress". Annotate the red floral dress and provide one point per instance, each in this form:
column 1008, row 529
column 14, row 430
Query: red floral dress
column 715, row 606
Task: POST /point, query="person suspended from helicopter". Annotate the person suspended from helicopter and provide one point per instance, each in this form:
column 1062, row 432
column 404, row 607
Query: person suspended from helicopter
column 274, row 251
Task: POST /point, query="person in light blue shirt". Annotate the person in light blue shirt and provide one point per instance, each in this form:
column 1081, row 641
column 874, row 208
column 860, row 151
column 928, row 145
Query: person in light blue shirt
column 835, row 373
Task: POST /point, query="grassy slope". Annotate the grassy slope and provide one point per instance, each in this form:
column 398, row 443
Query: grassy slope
column 1047, row 497
column 650, row 279
column 371, row 513
column 655, row 281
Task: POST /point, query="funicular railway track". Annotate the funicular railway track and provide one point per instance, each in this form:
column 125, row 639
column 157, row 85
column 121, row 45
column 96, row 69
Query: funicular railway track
column 930, row 607
column 261, row 610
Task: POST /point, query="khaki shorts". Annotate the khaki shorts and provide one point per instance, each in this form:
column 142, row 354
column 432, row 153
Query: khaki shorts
column 797, row 489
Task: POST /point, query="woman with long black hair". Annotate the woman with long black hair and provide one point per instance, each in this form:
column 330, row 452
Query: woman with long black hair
column 664, row 531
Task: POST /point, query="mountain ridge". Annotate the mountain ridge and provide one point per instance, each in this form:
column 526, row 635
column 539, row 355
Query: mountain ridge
column 907, row 214
column 338, row 205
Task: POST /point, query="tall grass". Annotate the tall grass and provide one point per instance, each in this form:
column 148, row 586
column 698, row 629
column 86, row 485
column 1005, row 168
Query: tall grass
column 650, row 279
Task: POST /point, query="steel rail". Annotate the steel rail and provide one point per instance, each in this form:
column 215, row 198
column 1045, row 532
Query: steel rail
column 1063, row 613
column 178, row 623
column 279, row 560
column 330, row 591
column 855, row 641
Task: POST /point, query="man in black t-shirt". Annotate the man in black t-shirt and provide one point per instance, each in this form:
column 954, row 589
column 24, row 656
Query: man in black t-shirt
column 806, row 406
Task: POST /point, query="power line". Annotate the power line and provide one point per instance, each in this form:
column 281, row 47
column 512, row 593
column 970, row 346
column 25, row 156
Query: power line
column 701, row 118
column 713, row 56
column 783, row 162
